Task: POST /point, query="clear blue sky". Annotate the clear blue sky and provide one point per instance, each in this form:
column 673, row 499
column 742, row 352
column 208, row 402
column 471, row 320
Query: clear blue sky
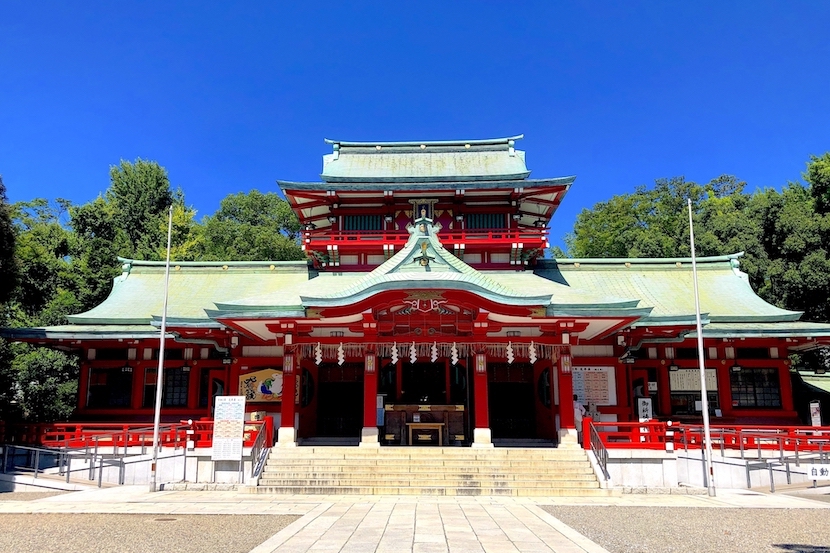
column 230, row 96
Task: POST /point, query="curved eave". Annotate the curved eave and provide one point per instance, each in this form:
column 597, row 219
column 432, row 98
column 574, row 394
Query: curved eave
column 421, row 184
column 605, row 313
column 186, row 322
column 596, row 306
column 417, row 143
column 785, row 317
column 463, row 283
column 58, row 333
column 254, row 313
column 766, row 330
column 673, row 320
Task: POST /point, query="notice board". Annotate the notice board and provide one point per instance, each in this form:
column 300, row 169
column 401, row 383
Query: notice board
column 228, row 428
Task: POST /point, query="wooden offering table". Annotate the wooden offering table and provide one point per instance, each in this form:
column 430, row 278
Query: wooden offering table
column 402, row 424
column 415, row 426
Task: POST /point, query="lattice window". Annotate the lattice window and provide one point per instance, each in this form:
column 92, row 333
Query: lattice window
column 755, row 387
column 175, row 387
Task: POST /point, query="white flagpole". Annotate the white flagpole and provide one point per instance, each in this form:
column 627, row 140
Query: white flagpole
column 159, row 380
column 704, row 397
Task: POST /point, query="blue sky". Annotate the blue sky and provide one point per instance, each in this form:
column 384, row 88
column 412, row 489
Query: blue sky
column 232, row 96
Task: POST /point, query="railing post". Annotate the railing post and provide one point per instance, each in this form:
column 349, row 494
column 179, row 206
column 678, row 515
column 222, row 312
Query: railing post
column 101, row 471
column 37, row 461
column 771, row 478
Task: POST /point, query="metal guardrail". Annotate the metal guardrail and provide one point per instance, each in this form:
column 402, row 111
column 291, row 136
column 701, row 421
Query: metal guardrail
column 61, row 459
column 599, row 450
column 259, row 451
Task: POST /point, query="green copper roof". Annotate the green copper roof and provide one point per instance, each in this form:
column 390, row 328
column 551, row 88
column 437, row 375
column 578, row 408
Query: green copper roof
column 137, row 295
column 471, row 160
column 666, row 285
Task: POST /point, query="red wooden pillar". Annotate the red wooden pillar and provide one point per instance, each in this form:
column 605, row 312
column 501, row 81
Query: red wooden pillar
column 83, row 385
column 482, row 436
column 567, row 429
column 369, row 434
column 287, row 435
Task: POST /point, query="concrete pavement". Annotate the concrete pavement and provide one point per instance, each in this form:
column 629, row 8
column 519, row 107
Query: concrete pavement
column 394, row 523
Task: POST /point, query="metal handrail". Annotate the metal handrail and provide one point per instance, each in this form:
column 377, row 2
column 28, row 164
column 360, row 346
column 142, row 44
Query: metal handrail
column 598, row 449
column 259, row 452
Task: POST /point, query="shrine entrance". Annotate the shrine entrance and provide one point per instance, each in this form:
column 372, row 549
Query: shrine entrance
column 340, row 400
column 424, row 383
column 511, row 401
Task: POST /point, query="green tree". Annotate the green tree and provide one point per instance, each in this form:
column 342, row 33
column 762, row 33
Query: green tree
column 47, row 384
column 8, row 263
column 250, row 227
column 140, row 194
column 9, row 273
column 785, row 235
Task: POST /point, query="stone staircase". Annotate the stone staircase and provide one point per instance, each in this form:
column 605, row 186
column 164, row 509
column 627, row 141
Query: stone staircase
column 429, row 471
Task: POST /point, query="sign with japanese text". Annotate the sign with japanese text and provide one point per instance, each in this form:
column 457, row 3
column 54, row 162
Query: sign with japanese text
column 818, row 472
column 228, row 428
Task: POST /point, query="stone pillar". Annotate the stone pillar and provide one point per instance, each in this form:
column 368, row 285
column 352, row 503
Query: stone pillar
column 369, row 434
column 287, row 434
column 567, row 429
column 481, row 433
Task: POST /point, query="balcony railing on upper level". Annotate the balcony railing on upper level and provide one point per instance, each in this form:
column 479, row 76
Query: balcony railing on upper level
column 317, row 238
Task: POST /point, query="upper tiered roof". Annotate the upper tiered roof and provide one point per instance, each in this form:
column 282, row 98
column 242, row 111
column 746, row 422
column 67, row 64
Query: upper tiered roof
column 426, row 161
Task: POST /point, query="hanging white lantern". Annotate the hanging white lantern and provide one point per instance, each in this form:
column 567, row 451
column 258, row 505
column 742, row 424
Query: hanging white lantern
column 413, row 354
column 454, row 354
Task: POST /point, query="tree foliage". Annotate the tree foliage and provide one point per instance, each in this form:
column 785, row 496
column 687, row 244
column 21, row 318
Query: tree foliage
column 785, row 235
column 8, row 264
column 252, row 227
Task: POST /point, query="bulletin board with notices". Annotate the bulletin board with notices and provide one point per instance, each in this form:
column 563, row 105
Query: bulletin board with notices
column 595, row 385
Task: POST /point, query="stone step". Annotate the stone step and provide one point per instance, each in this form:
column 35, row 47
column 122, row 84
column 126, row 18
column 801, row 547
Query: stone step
column 429, row 471
column 435, row 490
column 270, row 472
column 428, row 467
column 430, row 482
column 429, row 451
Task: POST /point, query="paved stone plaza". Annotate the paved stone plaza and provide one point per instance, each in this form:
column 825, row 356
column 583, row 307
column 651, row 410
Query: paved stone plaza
column 735, row 520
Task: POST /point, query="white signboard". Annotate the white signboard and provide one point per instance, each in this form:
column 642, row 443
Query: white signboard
column 595, row 385
column 644, row 409
column 228, row 428
column 688, row 380
column 818, row 472
column 815, row 413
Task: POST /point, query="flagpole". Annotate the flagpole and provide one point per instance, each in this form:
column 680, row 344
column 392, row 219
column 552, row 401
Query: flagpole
column 704, row 396
column 159, row 379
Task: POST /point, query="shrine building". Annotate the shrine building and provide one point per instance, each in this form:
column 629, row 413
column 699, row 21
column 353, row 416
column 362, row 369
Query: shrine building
column 426, row 305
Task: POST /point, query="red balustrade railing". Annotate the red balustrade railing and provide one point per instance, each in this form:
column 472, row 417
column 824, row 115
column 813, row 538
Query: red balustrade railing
column 658, row 434
column 119, row 435
column 323, row 237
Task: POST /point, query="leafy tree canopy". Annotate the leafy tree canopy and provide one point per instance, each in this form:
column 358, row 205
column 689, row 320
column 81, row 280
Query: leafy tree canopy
column 252, row 227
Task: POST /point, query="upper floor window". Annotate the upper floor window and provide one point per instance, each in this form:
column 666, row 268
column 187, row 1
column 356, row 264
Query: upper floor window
column 362, row 222
column 485, row 221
